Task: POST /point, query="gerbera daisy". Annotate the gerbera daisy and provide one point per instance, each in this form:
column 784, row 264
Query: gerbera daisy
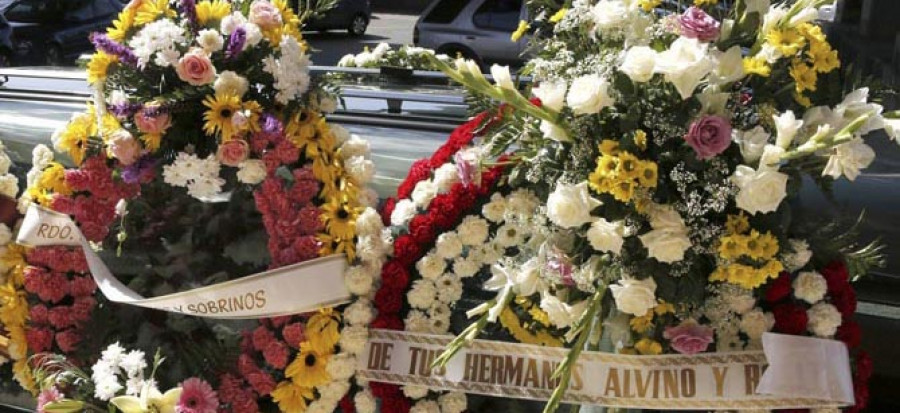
column 336, row 245
column 304, row 131
column 150, row 10
column 309, row 369
column 73, row 139
column 339, row 217
column 212, row 11
column 322, row 330
column 218, row 118
column 197, row 396
column 291, row 397
column 123, row 23
column 98, row 66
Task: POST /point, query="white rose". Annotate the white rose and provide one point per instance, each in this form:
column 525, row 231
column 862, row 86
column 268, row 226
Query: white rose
column 685, row 64
column 609, row 14
column 570, row 206
column 752, row 143
column 824, row 319
column 355, row 146
column 369, row 222
column 552, row 93
column 639, row 63
column 445, row 177
column 431, row 266
column 502, row 77
column 633, row 296
column 606, row 236
column 448, row 245
column 403, row 212
column 210, row 40
column 810, row 286
column 589, row 94
column 423, row 193
column 453, row 402
column 560, row 313
column 760, row 191
column 473, row 230
column 756, row 322
column 359, row 280
column 360, row 313
column 365, row 402
column 360, row 169
column 251, row 171
column 425, row 406
column 849, row 159
column 422, row 294
column 799, row 257
column 669, row 239
column 415, row 392
column 729, row 66
column 787, row 125
column 495, row 209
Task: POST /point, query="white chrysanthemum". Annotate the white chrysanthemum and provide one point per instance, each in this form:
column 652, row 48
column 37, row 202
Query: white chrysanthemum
column 369, row 223
column 230, row 83
column 439, row 310
column 199, row 176
column 422, row 294
column 360, row 169
column 106, row 389
column 159, row 37
column 291, row 71
column 359, row 280
column 365, row 402
column 113, row 354
column 522, row 203
column 449, row 288
column 448, row 245
column 465, row 267
column 423, row 193
column 824, row 319
column 510, row 235
column 133, row 363
column 417, row 322
column 756, row 322
column 425, row 406
column 403, row 212
column 360, row 313
column 473, row 230
column 431, row 266
column 495, row 210
column 453, row 402
column 210, row 40
column 354, row 338
column 810, row 286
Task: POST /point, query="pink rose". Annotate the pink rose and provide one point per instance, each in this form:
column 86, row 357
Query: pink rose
column 689, row 337
column 264, row 14
column 150, row 119
column 196, row 68
column 709, row 136
column 233, row 152
column 696, row 24
column 124, row 147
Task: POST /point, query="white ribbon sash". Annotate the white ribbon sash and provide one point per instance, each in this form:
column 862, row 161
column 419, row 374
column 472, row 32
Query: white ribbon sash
column 735, row 380
column 293, row 289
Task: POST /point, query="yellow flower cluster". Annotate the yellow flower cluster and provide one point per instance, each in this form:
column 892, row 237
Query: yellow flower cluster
column 810, row 55
column 75, row 138
column 644, row 323
column 742, row 242
column 512, row 323
column 310, row 368
column 220, row 110
column 14, row 313
column 52, row 180
column 649, row 5
column 620, row 173
column 290, row 25
column 98, row 66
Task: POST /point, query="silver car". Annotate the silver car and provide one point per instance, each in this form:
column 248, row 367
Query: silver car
column 474, row 29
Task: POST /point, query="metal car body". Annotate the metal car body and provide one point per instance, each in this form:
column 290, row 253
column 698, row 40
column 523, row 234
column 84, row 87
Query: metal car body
column 52, row 31
column 475, row 29
column 36, row 101
column 350, row 15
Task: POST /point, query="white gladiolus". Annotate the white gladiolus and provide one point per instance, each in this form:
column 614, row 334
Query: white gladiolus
column 849, row 159
column 502, row 77
column 787, row 126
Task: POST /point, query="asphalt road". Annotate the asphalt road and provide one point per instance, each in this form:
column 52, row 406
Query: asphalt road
column 329, row 47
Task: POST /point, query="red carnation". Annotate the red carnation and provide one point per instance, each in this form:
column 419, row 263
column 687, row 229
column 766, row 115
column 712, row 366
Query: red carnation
column 790, row 319
column 850, row 334
column 837, row 276
column 394, row 276
column 276, row 354
column 845, row 301
column 419, row 171
column 443, row 211
column 68, row 340
column 421, row 227
column 39, row 314
column 388, row 301
column 861, row 394
column 346, row 405
column 388, row 322
column 384, row 390
column 39, row 339
column 387, row 210
column 294, row 334
column 779, row 289
column 406, row 250
column 395, row 404
column 864, row 367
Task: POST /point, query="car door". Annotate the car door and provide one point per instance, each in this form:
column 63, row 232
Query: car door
column 493, row 23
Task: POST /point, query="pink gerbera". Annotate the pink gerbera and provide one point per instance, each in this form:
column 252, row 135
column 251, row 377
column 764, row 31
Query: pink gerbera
column 197, row 396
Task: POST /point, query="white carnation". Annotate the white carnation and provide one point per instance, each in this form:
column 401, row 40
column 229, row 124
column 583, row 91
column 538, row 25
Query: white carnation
column 359, row 280
column 799, row 257
column 431, row 266
column 369, row 222
column 810, row 286
column 417, row 322
column 210, row 40
column 341, row 367
column 449, row 288
column 449, row 245
column 453, row 402
column 403, row 212
column 425, row 406
column 415, row 392
column 360, row 169
column 473, row 230
column 370, row 248
column 445, row 177
column 756, row 322
column 365, row 402
column 251, row 171
column 9, row 185
column 354, row 338
column 824, row 319
column 422, row 294
column 360, row 313
column 423, row 193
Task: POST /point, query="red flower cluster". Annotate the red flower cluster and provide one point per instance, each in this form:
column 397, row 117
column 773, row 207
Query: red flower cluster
column 290, row 217
column 791, row 318
column 444, row 212
column 58, row 279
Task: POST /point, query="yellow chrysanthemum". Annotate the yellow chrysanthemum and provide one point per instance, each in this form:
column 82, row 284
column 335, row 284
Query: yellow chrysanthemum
column 812, row 32
column 218, row 118
column 53, row 178
column 520, row 31
column 559, row 15
column 640, row 139
column 642, row 324
column 13, row 305
column 753, row 247
column 768, row 245
column 150, row 10
column 339, row 217
column 737, row 224
column 629, row 166
column 732, row 247
column 649, row 5
column 292, row 398
column 322, row 330
column 309, row 368
column 802, row 100
column 804, row 76
column 623, row 191
column 98, row 66
column 210, row 12
column 825, row 59
column 757, row 66
column 648, row 176
column 22, row 374
column 788, row 41
column 511, row 323
column 609, row 147
column 648, row 347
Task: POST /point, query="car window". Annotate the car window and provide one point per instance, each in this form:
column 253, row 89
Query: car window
column 502, row 15
column 445, row 11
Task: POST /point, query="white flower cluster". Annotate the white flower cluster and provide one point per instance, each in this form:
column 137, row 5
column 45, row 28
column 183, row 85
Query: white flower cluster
column 41, row 156
column 291, row 70
column 199, row 176
column 158, row 41
column 731, row 310
column 116, row 364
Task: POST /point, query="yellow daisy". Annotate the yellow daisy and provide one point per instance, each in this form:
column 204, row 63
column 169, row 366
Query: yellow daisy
column 98, row 66
column 340, row 218
column 291, row 398
column 210, row 12
column 218, row 118
column 310, row 368
column 804, row 76
column 648, row 175
column 757, row 66
column 629, row 166
column 122, row 24
column 558, row 16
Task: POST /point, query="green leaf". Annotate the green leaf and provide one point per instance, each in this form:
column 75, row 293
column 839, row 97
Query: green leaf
column 64, row 406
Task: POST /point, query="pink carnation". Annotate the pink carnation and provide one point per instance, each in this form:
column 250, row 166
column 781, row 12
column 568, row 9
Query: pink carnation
column 294, row 334
column 276, row 354
column 39, row 314
column 81, row 286
column 262, row 336
column 53, row 288
column 307, row 247
column 68, row 340
column 261, row 382
column 39, row 339
column 689, row 337
column 61, row 317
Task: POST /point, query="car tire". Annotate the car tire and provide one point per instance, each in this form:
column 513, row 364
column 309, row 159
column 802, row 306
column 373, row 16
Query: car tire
column 5, row 60
column 53, row 56
column 358, row 25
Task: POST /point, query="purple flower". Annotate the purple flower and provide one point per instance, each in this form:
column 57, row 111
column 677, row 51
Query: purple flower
column 103, row 43
column 124, row 110
column 696, row 24
column 689, row 337
column 709, row 136
column 141, row 171
column 189, row 9
column 236, row 43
